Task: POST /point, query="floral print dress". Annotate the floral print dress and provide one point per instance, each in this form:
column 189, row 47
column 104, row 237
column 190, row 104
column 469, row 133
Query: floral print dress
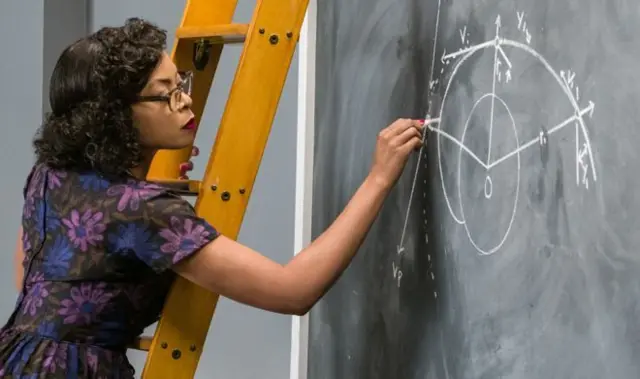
column 98, row 258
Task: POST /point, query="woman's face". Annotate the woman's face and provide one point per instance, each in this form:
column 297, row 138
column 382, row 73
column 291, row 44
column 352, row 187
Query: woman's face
column 160, row 126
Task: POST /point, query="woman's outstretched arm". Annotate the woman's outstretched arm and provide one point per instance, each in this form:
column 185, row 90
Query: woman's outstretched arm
column 235, row 271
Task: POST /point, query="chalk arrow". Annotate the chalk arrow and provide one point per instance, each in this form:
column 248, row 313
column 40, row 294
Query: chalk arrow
column 498, row 23
column 590, row 108
column 400, row 249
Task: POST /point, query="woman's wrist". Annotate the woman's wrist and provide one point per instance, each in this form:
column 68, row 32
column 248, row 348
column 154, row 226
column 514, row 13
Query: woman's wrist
column 378, row 182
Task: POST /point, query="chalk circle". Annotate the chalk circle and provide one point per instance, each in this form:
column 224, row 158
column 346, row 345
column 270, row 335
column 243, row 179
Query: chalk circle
column 505, row 234
column 442, row 135
column 488, row 187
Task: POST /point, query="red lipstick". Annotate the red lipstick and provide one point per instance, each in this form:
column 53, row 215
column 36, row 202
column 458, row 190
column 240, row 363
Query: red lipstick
column 190, row 125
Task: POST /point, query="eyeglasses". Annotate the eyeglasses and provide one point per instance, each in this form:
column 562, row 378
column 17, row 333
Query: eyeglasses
column 174, row 97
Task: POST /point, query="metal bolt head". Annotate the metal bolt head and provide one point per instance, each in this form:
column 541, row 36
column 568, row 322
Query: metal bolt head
column 176, row 354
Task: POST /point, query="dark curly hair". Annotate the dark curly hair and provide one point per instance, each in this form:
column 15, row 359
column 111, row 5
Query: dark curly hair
column 93, row 85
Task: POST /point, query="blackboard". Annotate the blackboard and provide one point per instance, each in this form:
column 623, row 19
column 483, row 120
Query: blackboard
column 518, row 223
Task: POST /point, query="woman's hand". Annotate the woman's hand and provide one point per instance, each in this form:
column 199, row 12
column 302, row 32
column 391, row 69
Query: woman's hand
column 394, row 145
column 185, row 167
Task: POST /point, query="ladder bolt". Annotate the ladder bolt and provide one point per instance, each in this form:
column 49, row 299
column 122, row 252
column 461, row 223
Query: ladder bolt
column 225, row 196
column 176, row 354
column 261, row 30
column 163, row 345
column 242, row 190
column 273, row 39
column 192, row 347
column 289, row 34
column 214, row 187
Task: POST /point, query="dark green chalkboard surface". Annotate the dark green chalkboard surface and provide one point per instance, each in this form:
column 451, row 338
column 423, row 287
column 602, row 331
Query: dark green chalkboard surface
column 510, row 248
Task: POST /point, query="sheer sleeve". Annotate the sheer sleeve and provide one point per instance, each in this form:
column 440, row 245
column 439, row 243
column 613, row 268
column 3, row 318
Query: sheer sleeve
column 169, row 231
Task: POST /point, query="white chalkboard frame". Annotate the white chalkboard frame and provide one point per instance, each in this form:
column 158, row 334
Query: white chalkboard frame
column 304, row 174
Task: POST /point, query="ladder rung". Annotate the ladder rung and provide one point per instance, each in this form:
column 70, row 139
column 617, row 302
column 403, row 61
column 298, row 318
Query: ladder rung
column 227, row 33
column 183, row 187
column 142, row 343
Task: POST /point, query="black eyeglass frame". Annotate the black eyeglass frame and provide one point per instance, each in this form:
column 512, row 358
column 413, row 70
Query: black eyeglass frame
column 185, row 87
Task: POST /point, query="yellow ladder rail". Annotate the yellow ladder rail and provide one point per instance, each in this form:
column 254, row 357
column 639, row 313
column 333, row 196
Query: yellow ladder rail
column 269, row 42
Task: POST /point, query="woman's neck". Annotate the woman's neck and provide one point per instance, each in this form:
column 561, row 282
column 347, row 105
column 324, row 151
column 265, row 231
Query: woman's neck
column 140, row 171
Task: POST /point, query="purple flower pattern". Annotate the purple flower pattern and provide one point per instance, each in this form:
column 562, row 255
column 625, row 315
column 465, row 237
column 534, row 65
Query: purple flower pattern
column 183, row 237
column 37, row 293
column 82, row 300
column 132, row 193
column 86, row 230
column 55, row 179
column 84, row 303
column 55, row 358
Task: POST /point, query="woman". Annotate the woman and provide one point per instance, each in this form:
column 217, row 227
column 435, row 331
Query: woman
column 99, row 247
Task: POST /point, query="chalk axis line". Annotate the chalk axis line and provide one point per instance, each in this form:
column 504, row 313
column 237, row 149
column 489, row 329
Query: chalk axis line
column 435, row 125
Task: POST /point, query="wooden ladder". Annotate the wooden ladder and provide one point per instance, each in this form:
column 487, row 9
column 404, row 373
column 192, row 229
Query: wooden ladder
column 269, row 42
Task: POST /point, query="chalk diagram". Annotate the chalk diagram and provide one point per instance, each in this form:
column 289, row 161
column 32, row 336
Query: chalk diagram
column 584, row 162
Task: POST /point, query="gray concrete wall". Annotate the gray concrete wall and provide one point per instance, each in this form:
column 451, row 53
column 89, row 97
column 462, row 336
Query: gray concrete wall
column 243, row 342
column 64, row 22
column 21, row 109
